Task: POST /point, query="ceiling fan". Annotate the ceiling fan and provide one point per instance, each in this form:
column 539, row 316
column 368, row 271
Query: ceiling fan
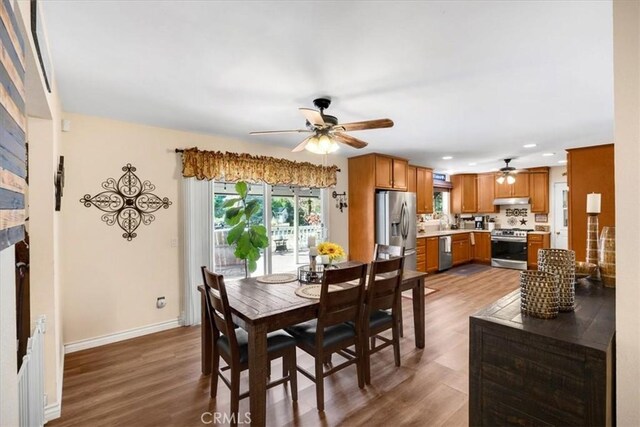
column 508, row 173
column 325, row 130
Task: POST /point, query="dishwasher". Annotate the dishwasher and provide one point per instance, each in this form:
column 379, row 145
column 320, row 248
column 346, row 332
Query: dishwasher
column 445, row 258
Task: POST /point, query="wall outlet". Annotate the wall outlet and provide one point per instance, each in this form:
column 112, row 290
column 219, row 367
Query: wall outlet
column 161, row 302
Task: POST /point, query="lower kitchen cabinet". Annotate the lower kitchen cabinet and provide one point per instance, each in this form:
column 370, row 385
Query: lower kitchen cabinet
column 482, row 248
column 432, row 254
column 535, row 242
column 421, row 254
column 460, row 249
column 531, row 372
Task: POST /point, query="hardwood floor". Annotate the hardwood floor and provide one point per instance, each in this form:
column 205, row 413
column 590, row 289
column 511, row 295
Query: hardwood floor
column 155, row 380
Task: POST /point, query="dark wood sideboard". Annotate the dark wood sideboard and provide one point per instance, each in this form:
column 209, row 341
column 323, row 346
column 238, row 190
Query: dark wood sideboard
column 531, row 372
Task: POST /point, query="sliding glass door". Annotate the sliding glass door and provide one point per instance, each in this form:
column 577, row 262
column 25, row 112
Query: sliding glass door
column 225, row 261
column 291, row 215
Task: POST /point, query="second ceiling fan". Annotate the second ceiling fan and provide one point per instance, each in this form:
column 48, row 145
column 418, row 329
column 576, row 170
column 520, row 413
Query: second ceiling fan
column 325, row 130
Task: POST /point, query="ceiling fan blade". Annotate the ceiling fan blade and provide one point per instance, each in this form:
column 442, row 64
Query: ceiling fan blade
column 271, row 132
column 349, row 140
column 301, row 146
column 314, row 117
column 368, row 124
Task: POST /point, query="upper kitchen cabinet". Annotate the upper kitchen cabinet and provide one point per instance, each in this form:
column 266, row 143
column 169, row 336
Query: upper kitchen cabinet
column 589, row 170
column 391, row 172
column 539, row 189
column 486, row 193
column 520, row 188
column 366, row 174
column 464, row 196
column 424, row 193
column 412, row 179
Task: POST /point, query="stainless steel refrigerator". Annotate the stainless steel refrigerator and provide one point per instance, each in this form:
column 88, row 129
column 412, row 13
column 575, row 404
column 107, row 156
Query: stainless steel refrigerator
column 396, row 223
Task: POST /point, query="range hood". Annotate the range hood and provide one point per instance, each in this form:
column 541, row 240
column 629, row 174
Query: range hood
column 511, row 201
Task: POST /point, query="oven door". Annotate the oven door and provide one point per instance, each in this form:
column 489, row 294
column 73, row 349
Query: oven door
column 509, row 252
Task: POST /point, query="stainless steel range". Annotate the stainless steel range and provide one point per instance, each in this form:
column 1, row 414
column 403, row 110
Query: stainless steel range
column 509, row 248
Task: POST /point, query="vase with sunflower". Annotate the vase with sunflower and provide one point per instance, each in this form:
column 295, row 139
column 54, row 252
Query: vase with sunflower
column 330, row 252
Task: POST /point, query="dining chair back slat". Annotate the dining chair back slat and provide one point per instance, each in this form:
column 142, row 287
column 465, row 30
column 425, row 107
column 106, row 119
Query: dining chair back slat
column 218, row 307
column 346, row 304
column 384, row 283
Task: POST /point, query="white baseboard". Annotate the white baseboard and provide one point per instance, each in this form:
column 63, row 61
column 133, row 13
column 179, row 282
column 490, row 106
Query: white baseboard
column 120, row 336
column 53, row 411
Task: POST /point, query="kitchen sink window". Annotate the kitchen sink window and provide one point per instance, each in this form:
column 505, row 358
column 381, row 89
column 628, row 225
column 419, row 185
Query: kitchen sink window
column 440, row 202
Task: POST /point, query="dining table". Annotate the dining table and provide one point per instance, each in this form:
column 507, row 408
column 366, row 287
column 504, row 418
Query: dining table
column 260, row 308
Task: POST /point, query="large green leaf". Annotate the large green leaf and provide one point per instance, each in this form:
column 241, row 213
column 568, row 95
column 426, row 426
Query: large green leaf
column 241, row 189
column 253, row 265
column 231, row 202
column 251, row 208
column 258, row 237
column 233, row 215
column 236, row 232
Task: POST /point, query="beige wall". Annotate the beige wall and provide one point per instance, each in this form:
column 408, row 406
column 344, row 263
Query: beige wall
column 626, row 27
column 111, row 285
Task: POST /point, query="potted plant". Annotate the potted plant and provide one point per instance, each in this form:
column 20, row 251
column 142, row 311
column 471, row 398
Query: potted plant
column 247, row 235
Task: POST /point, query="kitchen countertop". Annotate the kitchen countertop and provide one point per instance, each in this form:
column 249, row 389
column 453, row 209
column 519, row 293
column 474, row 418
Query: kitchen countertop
column 451, row 232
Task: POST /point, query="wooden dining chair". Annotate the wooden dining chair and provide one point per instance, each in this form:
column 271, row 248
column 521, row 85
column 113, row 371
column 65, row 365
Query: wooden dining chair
column 338, row 326
column 387, row 252
column 231, row 344
column 381, row 309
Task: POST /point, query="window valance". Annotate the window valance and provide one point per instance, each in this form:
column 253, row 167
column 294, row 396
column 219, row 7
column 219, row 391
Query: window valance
column 231, row 167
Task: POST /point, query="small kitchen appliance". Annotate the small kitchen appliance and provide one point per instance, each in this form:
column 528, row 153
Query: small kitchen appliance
column 479, row 222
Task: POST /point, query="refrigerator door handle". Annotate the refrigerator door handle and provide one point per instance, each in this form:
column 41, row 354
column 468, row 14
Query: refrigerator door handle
column 403, row 220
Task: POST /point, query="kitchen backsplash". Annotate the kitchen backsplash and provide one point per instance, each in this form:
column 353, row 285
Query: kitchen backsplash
column 517, row 216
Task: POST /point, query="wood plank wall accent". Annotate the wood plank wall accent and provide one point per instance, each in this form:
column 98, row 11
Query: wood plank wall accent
column 589, row 170
column 13, row 151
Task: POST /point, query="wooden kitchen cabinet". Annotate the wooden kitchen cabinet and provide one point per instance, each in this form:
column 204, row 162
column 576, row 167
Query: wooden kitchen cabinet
column 539, row 189
column 424, row 190
column 366, row 174
column 486, row 193
column 520, row 188
column 460, row 249
column 464, row 198
column 391, row 172
column 412, row 184
column 535, row 242
column 482, row 248
column 421, row 254
column 433, row 252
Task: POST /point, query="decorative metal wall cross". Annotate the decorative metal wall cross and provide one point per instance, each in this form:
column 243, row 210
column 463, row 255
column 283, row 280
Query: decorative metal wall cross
column 127, row 201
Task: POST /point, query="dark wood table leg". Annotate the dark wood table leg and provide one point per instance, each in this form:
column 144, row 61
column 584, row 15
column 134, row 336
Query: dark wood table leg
column 418, row 312
column 205, row 336
column 258, row 373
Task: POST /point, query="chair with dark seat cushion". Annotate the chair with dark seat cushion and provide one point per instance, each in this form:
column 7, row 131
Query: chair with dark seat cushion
column 231, row 344
column 332, row 332
column 388, row 252
column 382, row 309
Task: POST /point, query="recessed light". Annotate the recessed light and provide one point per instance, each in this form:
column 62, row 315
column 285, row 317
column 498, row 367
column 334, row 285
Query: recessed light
column 472, row 164
column 548, row 154
column 447, row 157
column 562, row 161
column 529, row 145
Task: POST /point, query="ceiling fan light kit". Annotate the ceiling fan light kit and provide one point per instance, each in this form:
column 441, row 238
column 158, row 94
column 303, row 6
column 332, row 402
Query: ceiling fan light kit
column 507, row 173
column 326, row 131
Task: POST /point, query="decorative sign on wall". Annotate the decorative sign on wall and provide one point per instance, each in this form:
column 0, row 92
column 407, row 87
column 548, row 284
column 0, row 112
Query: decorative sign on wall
column 13, row 149
column 127, row 201
column 512, row 215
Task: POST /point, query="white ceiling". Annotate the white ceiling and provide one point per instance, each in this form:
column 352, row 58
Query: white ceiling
column 474, row 80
